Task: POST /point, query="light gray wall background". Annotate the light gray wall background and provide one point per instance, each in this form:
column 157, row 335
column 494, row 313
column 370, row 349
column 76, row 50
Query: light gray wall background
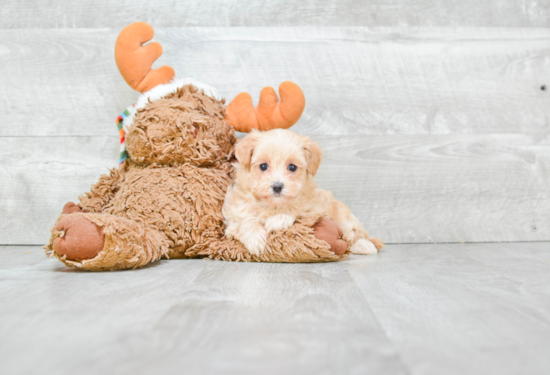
column 431, row 113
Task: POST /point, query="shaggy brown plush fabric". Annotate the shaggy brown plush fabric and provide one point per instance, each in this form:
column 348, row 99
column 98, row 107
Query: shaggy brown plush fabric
column 184, row 127
column 166, row 199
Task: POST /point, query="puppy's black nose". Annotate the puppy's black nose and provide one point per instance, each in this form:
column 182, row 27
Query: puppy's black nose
column 277, row 187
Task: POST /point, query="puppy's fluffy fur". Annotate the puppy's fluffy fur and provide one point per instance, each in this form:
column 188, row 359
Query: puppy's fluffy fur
column 261, row 201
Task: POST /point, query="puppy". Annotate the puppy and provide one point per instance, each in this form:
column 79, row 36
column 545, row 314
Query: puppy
column 274, row 185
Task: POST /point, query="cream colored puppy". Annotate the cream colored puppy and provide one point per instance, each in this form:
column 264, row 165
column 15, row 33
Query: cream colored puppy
column 275, row 185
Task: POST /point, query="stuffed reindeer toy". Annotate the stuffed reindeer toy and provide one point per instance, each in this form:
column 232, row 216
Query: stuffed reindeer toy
column 165, row 199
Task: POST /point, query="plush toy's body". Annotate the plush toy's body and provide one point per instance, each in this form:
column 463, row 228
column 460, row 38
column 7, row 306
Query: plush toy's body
column 166, row 198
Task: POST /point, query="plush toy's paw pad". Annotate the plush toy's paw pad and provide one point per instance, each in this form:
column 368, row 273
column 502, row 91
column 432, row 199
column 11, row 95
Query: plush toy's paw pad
column 279, row 222
column 255, row 241
column 70, row 208
column 80, row 239
column 364, row 247
column 339, row 247
column 327, row 230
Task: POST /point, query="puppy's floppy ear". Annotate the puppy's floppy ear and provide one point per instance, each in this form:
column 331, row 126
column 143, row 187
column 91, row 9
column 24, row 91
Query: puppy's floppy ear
column 245, row 148
column 314, row 154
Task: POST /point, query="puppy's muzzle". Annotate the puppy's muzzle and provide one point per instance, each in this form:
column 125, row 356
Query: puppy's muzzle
column 277, row 187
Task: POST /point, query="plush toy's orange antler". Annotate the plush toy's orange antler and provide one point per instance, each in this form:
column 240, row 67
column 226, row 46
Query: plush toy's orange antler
column 270, row 113
column 134, row 60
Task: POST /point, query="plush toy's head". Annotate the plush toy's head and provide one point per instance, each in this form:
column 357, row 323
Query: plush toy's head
column 186, row 126
column 173, row 122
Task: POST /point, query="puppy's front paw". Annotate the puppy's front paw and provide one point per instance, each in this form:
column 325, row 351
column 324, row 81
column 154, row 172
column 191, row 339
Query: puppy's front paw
column 255, row 241
column 364, row 247
column 279, row 222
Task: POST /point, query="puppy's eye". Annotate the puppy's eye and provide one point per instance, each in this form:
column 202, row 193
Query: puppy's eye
column 292, row 168
column 263, row 167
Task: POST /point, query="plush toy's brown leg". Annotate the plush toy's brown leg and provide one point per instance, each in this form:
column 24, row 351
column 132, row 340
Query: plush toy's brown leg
column 328, row 231
column 298, row 244
column 71, row 208
column 98, row 242
column 79, row 239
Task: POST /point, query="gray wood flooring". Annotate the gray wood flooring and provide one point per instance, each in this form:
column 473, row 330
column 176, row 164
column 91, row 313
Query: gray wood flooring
column 413, row 309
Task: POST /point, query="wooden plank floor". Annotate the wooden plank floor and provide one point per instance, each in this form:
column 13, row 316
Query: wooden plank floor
column 413, row 309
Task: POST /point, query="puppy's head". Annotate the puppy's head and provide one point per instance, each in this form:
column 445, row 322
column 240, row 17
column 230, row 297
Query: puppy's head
column 277, row 164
